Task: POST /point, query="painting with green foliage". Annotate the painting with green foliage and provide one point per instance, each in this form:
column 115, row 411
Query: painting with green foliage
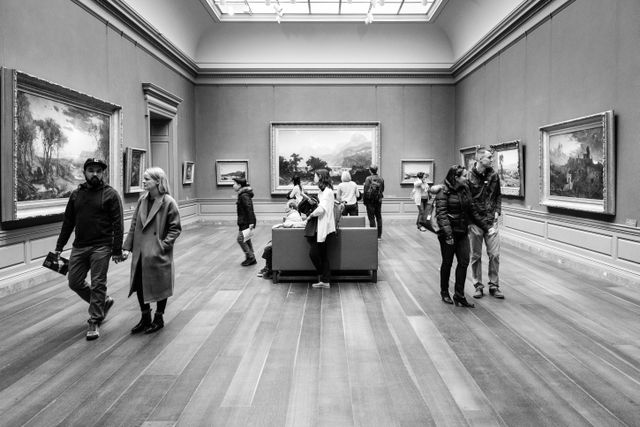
column 299, row 149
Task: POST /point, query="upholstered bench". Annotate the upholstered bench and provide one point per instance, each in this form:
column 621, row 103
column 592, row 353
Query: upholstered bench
column 353, row 253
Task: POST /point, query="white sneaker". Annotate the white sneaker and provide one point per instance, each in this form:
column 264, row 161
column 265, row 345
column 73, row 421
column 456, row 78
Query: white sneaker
column 321, row 285
column 93, row 333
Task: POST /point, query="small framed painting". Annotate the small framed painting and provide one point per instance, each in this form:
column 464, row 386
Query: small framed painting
column 468, row 156
column 410, row 169
column 507, row 162
column 227, row 170
column 134, row 163
column 188, row 168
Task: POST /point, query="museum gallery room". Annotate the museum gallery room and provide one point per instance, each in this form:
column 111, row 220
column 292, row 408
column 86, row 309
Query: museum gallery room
column 216, row 91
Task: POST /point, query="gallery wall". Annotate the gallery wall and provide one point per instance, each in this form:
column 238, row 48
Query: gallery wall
column 68, row 44
column 233, row 122
column 565, row 68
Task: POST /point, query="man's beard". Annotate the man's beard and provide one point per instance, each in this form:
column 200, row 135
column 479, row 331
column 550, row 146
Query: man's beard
column 95, row 181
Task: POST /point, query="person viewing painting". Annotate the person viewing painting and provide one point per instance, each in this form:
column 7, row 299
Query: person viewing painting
column 246, row 219
column 454, row 212
column 155, row 226
column 373, row 193
column 420, row 196
column 297, row 191
column 325, row 229
column 348, row 193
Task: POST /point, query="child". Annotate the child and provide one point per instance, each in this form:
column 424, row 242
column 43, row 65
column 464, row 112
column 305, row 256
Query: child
column 292, row 219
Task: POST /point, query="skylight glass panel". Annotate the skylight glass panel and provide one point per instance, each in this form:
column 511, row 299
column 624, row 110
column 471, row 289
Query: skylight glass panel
column 414, row 8
column 355, row 8
column 324, row 7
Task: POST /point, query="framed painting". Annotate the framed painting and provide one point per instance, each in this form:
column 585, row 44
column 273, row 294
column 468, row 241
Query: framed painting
column 468, row 156
column 409, row 170
column 300, row 148
column 134, row 164
column 227, row 170
column 577, row 164
column 48, row 131
column 188, row 168
column 507, row 162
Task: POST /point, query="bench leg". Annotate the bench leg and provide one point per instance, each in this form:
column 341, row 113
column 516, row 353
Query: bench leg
column 374, row 276
column 275, row 276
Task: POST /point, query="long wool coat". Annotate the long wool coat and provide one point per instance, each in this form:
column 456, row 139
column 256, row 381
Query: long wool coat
column 150, row 240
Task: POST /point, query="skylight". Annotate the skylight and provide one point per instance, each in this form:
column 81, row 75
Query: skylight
column 367, row 11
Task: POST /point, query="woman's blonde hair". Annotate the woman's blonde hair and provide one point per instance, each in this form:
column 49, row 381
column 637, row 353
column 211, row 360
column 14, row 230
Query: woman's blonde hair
column 158, row 175
column 346, row 176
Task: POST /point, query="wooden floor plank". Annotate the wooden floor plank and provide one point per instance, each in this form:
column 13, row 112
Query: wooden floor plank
column 238, row 350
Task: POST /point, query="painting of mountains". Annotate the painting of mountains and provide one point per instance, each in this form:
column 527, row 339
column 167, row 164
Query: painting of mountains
column 301, row 149
column 227, row 170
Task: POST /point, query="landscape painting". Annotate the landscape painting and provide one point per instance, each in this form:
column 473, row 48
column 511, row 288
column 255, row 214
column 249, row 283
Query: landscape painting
column 468, row 156
column 577, row 164
column 227, row 170
column 409, row 170
column 55, row 129
column 507, row 162
column 299, row 149
column 134, row 170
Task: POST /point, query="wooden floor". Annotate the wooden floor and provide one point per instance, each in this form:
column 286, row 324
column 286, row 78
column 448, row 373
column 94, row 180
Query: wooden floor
column 561, row 349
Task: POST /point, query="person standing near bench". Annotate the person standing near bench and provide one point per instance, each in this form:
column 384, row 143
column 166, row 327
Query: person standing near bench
column 348, row 194
column 94, row 211
column 325, row 230
column 372, row 197
column 155, row 226
column 246, row 219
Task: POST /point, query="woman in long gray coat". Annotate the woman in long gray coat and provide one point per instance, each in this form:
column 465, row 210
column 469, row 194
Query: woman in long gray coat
column 155, row 226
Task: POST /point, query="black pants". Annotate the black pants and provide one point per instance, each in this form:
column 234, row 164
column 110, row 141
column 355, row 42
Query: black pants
column 374, row 213
column 137, row 286
column 320, row 257
column 460, row 249
column 350, row 210
column 267, row 254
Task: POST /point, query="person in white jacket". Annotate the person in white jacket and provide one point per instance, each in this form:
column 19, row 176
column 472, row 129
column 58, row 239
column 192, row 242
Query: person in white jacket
column 420, row 196
column 326, row 228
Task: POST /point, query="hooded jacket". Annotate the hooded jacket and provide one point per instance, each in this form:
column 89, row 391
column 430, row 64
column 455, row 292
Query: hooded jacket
column 454, row 209
column 486, row 195
column 244, row 206
column 96, row 215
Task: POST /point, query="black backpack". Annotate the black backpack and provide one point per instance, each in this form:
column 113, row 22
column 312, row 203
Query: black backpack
column 373, row 191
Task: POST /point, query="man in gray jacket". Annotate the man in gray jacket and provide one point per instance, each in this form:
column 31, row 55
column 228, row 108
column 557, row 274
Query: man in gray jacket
column 94, row 212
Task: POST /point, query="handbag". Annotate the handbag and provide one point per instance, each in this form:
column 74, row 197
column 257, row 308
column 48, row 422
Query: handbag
column 430, row 220
column 311, row 228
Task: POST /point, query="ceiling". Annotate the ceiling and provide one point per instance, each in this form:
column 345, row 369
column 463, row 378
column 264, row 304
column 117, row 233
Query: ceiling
column 438, row 41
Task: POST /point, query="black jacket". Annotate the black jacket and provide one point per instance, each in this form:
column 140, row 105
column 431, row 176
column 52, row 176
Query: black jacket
column 244, row 205
column 96, row 215
column 485, row 191
column 454, row 210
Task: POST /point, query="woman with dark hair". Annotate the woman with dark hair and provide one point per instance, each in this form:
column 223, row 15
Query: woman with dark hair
column 454, row 212
column 296, row 192
column 246, row 219
column 325, row 230
column 155, row 226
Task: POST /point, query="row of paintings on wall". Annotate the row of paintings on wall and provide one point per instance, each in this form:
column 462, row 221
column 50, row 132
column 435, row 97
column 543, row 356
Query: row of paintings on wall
column 48, row 130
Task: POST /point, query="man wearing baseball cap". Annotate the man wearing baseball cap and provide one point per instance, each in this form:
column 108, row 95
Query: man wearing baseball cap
column 94, row 212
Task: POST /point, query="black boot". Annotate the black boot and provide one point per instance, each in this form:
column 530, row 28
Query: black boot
column 143, row 324
column 156, row 325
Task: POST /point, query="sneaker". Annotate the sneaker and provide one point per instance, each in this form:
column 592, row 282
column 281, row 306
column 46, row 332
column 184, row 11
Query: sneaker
column 261, row 272
column 421, row 228
column 495, row 292
column 479, row 293
column 93, row 333
column 107, row 306
column 248, row 262
column 321, row 285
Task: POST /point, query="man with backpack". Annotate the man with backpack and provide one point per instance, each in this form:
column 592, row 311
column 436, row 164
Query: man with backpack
column 372, row 198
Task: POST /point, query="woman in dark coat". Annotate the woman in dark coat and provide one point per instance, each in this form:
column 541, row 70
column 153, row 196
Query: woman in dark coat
column 246, row 219
column 155, row 226
column 454, row 212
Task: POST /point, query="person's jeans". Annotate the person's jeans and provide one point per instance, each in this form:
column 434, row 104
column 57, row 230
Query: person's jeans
column 96, row 259
column 247, row 247
column 476, row 237
column 320, row 257
column 460, row 249
column 351, row 210
column 374, row 213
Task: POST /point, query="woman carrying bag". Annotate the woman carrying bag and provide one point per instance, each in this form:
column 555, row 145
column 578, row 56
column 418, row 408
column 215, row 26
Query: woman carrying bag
column 325, row 229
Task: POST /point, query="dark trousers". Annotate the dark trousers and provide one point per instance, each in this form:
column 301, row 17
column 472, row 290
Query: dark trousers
column 137, row 286
column 320, row 257
column 96, row 259
column 374, row 213
column 460, row 249
column 350, row 210
column 422, row 207
column 267, row 254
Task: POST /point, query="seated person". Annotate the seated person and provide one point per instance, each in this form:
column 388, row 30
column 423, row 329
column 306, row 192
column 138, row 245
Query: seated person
column 292, row 219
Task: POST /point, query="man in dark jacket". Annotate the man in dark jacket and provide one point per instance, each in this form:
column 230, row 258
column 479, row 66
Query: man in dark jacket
column 94, row 212
column 246, row 219
column 484, row 184
column 372, row 195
